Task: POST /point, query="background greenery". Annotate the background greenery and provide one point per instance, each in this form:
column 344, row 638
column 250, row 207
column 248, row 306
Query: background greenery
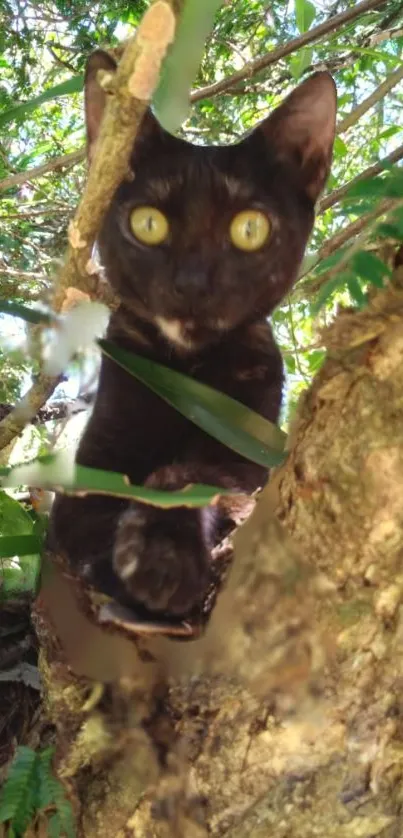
column 256, row 53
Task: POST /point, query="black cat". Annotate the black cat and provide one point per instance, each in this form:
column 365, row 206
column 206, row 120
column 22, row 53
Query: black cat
column 200, row 244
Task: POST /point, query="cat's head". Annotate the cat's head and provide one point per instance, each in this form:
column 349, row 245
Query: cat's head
column 200, row 239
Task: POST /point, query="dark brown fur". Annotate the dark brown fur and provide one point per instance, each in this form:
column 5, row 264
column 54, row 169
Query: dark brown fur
column 219, row 298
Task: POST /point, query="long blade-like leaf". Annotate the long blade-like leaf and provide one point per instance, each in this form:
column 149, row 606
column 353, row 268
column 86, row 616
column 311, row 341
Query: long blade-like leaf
column 51, row 473
column 171, row 100
column 73, row 85
column 30, row 315
column 19, row 545
column 227, row 420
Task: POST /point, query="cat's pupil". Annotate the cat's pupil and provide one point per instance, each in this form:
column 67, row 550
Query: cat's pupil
column 249, row 229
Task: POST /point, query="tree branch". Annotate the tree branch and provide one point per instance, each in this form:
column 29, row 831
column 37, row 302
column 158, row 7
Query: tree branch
column 53, row 412
column 258, row 64
column 55, row 164
column 358, row 230
column 338, row 194
column 379, row 93
column 123, row 114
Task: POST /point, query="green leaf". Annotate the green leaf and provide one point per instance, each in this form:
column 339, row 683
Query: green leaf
column 370, row 187
column 394, row 183
column 220, row 416
column 300, row 62
column 50, row 473
column 336, row 283
column 171, row 100
column 340, row 148
column 16, row 794
column 18, row 537
column 370, row 267
column 19, row 545
column 390, row 132
column 389, row 231
column 32, row 787
column 30, row 315
column 73, row 85
column 45, row 789
column 330, row 261
column 14, row 519
column 51, row 791
column 18, row 580
column 355, row 290
column 305, row 14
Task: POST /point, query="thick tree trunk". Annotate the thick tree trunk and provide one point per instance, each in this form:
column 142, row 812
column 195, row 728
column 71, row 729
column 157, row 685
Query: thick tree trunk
column 286, row 718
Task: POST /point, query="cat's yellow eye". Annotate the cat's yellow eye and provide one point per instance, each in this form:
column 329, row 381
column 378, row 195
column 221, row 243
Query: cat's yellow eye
column 149, row 225
column 250, row 229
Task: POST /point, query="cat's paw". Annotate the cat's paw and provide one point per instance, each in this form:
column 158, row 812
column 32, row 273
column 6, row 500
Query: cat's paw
column 161, row 558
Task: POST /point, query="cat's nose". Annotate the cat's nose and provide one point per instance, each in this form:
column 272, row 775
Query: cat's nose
column 190, row 279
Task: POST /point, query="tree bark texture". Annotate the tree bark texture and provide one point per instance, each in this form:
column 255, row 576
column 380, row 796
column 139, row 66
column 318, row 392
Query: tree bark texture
column 286, row 718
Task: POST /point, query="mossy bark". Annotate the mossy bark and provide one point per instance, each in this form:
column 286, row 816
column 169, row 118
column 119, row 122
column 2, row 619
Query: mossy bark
column 286, row 718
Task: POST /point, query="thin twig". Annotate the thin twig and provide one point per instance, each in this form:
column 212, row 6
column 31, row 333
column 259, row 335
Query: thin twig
column 379, row 93
column 5, row 271
column 34, row 213
column 253, row 67
column 358, row 230
column 340, row 239
column 55, row 411
column 55, row 164
column 338, row 194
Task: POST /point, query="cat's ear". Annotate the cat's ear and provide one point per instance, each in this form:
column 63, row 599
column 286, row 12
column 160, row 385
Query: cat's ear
column 302, row 130
column 150, row 130
column 95, row 95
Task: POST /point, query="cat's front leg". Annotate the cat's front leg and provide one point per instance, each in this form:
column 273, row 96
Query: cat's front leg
column 163, row 556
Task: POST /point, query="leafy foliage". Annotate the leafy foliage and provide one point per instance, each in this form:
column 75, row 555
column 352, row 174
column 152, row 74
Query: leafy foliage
column 20, row 536
column 31, row 790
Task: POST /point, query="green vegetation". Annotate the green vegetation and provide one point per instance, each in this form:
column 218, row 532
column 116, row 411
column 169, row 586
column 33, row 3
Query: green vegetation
column 255, row 52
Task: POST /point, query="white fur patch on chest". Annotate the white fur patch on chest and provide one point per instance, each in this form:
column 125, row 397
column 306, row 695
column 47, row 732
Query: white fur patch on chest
column 175, row 331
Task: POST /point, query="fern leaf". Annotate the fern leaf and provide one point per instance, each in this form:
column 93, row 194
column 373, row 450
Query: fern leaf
column 54, row 826
column 51, row 793
column 45, row 791
column 17, row 797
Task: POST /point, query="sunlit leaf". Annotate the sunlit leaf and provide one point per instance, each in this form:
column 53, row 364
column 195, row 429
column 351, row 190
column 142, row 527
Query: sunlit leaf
column 340, row 148
column 305, row 14
column 370, row 187
column 73, row 85
column 326, row 291
column 370, row 267
column 301, row 62
column 171, row 99
column 19, row 536
column 50, row 472
column 355, row 290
